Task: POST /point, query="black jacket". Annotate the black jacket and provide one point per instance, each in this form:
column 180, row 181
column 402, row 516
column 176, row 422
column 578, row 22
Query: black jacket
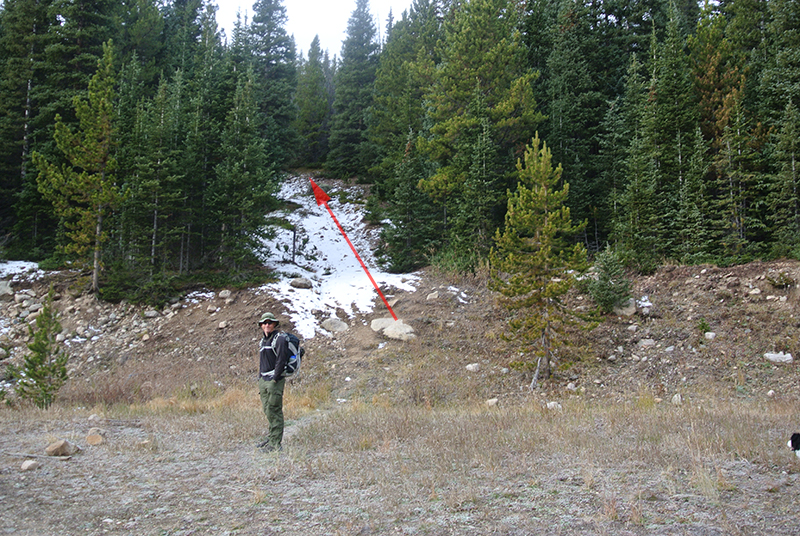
column 271, row 364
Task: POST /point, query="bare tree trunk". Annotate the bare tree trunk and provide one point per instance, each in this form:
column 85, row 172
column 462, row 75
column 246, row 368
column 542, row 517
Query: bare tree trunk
column 96, row 264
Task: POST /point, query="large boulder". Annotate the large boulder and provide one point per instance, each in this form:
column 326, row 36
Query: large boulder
column 6, row 294
column 334, row 325
column 393, row 329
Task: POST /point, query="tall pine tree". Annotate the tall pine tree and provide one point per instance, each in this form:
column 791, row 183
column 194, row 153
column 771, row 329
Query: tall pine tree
column 350, row 152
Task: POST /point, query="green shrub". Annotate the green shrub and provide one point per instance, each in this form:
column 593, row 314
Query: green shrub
column 44, row 370
column 611, row 288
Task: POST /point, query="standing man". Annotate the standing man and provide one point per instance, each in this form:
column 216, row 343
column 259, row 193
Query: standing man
column 272, row 359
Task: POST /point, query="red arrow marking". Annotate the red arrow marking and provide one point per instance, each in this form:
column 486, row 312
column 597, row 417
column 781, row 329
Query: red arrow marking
column 322, row 199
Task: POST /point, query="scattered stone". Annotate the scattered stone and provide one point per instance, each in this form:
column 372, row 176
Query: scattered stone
column 554, row 406
column 571, row 387
column 473, row 367
column 771, row 393
column 212, row 308
column 633, row 328
column 335, row 325
column 492, row 402
column 223, row 325
column 627, row 309
column 778, row 357
column 379, row 324
column 433, row 296
column 6, row 294
column 400, row 331
column 710, row 335
column 151, row 313
column 677, row 400
column 755, row 292
column 29, row 465
column 95, row 437
column 646, row 343
column 61, row 447
column 301, row 282
column 224, row 294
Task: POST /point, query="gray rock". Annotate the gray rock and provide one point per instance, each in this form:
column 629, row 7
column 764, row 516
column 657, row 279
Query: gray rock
column 61, row 447
column 6, row 294
column 379, row 324
column 473, row 367
column 627, row 309
column 335, row 325
column 29, row 465
column 301, row 282
column 400, row 331
column 225, row 294
column 778, row 357
column 151, row 313
column 433, row 296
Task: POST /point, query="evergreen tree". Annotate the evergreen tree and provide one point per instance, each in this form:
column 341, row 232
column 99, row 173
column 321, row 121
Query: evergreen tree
column 142, row 38
column 44, row 369
column 780, row 73
column 621, row 122
column 350, row 152
column 736, row 164
column 401, row 81
column 312, row 122
column 610, row 288
column 533, row 261
column 246, row 182
column 182, row 28
column 695, row 236
column 413, row 234
column 84, row 190
column 154, row 188
column 784, row 199
column 274, row 64
column 24, row 25
column 575, row 108
column 204, row 108
column 482, row 90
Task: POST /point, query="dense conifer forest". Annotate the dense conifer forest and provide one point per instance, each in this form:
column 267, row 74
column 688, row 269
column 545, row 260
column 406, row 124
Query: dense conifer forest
column 140, row 142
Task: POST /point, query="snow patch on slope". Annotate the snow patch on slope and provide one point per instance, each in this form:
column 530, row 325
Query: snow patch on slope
column 322, row 255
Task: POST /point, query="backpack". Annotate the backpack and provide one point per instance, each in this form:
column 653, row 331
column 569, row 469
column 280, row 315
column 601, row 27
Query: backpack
column 295, row 350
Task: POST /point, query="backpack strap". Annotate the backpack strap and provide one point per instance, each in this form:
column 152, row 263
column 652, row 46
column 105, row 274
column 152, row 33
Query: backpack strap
column 292, row 348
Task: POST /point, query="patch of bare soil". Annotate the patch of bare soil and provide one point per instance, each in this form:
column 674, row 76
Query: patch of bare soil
column 190, row 471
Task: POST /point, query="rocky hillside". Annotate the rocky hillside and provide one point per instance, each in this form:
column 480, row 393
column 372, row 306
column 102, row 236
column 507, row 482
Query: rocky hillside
column 695, row 331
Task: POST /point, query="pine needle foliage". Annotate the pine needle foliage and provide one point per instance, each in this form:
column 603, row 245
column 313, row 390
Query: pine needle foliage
column 44, row 370
column 611, row 288
column 533, row 263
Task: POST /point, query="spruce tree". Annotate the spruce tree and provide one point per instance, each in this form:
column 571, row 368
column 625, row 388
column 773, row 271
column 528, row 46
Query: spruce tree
column 533, row 262
column 575, row 108
column 350, row 151
column 313, row 118
column 246, row 180
column 274, row 58
column 24, row 26
column 784, row 196
column 482, row 90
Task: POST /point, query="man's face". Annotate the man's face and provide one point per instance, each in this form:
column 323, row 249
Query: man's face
column 268, row 327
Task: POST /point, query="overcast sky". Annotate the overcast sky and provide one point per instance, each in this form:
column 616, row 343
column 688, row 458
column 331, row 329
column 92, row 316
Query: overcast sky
column 307, row 18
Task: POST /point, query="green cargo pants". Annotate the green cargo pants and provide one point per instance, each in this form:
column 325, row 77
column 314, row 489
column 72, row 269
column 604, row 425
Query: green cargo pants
column 272, row 403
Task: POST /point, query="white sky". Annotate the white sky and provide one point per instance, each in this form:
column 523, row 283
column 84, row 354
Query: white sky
column 307, row 18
